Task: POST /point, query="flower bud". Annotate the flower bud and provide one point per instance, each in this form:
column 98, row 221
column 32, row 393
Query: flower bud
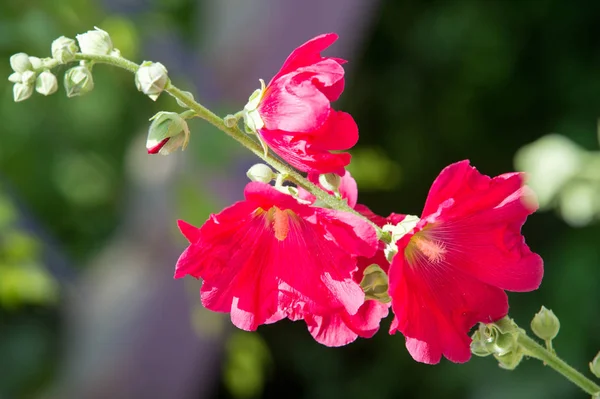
column 167, row 133
column 260, row 172
column 20, row 62
column 375, row 284
column 78, row 81
column 64, row 49
column 187, row 94
column 330, row 181
column 595, row 365
column 479, row 342
column 15, row 77
column 22, row 92
column 151, row 78
column 96, row 42
column 46, row 83
column 28, row 78
column 36, row 63
column 252, row 118
column 545, row 324
column 510, row 360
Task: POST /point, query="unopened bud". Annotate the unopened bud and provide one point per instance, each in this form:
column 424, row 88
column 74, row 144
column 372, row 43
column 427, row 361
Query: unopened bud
column 36, row 63
column 22, row 92
column 28, row 78
column 46, row 83
column 167, row 133
column 95, row 42
column 595, row 365
column 151, row 78
column 78, row 81
column 479, row 343
column 252, row 119
column 545, row 324
column 330, row 181
column 375, row 284
column 20, row 62
column 188, row 95
column 64, row 49
column 510, row 360
column 15, row 77
column 260, row 172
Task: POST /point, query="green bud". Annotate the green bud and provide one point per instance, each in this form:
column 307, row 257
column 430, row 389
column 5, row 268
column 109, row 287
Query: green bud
column 15, row 77
column 330, row 181
column 375, row 284
column 20, row 62
column 479, row 344
column 96, row 42
column 187, row 94
column 509, row 360
column 46, row 83
column 595, row 365
column 545, row 324
column 78, row 81
column 151, row 78
column 64, row 49
column 167, row 133
column 22, row 92
column 260, row 172
column 252, row 118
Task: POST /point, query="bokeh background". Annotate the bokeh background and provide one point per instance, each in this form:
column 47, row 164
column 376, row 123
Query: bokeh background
column 88, row 243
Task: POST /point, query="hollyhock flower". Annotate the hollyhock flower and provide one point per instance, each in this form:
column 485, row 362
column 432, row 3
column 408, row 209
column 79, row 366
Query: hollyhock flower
column 293, row 114
column 452, row 268
column 341, row 328
column 270, row 257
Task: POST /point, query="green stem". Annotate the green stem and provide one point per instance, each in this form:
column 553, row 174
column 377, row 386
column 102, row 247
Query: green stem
column 242, row 138
column 533, row 349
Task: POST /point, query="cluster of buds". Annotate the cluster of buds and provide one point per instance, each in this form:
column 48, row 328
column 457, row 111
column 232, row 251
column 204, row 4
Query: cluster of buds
column 500, row 340
column 31, row 73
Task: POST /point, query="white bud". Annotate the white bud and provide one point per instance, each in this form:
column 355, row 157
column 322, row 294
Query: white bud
column 64, row 49
column 36, row 63
column 96, row 42
column 22, row 92
column 78, row 81
column 187, row 94
column 28, row 78
column 151, row 78
column 167, row 133
column 20, row 62
column 260, row 172
column 46, row 83
column 15, row 77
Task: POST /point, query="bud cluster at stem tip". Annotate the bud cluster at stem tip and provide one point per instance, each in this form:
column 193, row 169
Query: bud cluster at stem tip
column 27, row 77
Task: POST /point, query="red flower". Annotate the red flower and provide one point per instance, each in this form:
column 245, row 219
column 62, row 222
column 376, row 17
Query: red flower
column 270, row 257
column 451, row 270
column 293, row 115
column 341, row 328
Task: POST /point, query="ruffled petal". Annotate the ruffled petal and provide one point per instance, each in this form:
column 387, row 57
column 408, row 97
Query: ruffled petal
column 436, row 305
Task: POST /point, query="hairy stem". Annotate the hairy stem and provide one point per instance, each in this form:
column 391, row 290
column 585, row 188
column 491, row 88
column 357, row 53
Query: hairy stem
column 533, row 349
column 236, row 133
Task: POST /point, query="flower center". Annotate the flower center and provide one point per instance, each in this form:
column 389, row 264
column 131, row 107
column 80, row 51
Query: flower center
column 423, row 246
column 279, row 220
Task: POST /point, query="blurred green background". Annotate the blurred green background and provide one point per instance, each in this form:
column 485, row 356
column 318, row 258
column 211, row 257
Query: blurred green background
column 88, row 307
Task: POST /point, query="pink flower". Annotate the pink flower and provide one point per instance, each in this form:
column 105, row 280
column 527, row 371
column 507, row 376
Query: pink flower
column 341, row 328
column 451, row 270
column 293, row 115
column 270, row 257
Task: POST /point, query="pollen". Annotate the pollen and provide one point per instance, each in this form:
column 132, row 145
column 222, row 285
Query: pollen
column 432, row 250
column 281, row 223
